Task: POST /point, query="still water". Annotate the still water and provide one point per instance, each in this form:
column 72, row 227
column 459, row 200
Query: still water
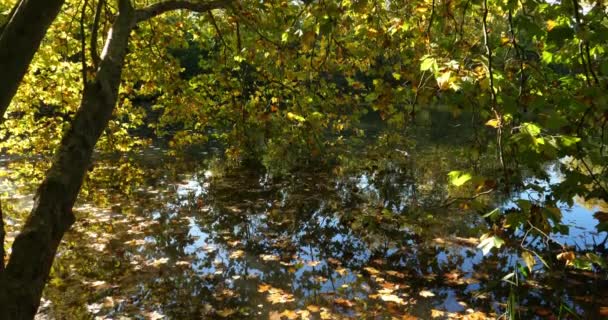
column 373, row 234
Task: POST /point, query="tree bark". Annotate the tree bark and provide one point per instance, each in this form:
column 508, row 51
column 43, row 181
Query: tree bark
column 27, row 270
column 2, row 234
column 19, row 40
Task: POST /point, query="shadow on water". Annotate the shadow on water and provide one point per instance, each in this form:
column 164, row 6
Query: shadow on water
column 371, row 236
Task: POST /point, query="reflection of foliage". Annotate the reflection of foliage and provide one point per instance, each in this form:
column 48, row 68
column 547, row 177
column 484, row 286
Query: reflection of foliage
column 368, row 235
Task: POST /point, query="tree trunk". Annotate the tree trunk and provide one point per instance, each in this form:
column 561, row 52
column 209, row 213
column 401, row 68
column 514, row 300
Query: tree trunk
column 29, row 264
column 19, row 40
column 2, row 234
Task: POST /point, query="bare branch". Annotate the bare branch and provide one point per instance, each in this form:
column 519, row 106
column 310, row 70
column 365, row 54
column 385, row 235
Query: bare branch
column 159, row 8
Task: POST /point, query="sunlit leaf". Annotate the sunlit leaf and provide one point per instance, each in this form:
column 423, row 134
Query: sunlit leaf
column 528, row 259
column 458, row 178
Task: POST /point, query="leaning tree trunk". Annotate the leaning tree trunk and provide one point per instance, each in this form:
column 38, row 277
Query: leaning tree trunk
column 30, row 261
column 27, row 270
column 19, row 40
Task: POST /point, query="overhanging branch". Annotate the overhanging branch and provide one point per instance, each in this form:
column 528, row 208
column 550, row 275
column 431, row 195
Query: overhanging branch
column 159, row 8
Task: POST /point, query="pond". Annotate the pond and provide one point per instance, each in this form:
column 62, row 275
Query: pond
column 376, row 233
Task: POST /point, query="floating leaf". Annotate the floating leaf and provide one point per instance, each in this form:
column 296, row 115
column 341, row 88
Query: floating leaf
column 343, row 302
column 426, row 293
column 226, row 312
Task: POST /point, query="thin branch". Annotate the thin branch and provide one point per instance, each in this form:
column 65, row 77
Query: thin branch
column 94, row 32
column 217, row 29
column 492, row 91
column 159, row 8
column 428, row 28
column 83, row 43
column 475, row 196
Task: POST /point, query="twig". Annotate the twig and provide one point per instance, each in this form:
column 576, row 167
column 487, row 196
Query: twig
column 83, row 43
column 475, row 196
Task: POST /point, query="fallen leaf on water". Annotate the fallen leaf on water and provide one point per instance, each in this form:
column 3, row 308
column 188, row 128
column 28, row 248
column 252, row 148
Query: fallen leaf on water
column 343, row 302
column 325, row 314
column 437, row 313
column 276, row 295
column 269, row 257
column 289, row 314
column 304, row 314
column 313, row 263
column 426, row 293
column 237, row 254
column 225, row 313
column 392, row 298
column 372, row 271
column 263, row 287
column 157, row 262
column 478, row 315
column 153, row 315
column 342, row 271
column 395, row 274
column 313, row 308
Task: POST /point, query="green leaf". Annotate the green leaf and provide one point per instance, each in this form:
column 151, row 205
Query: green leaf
column 489, row 242
column 428, row 63
column 458, row 178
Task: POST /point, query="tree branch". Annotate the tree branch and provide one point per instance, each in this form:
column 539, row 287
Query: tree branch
column 159, row 8
column 94, row 32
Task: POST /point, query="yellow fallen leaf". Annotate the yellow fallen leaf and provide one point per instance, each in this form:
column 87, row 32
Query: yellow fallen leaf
column 225, row 313
column 371, row 270
column 289, row 314
column 313, row 308
column 426, row 293
column 263, row 287
column 237, row 254
column 343, row 302
column 391, row 298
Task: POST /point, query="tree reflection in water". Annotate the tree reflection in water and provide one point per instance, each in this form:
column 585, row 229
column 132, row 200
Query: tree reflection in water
column 370, row 235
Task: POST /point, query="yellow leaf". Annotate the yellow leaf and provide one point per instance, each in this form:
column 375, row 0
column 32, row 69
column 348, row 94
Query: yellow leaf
column 263, row 287
column 313, row 308
column 551, row 24
column 528, row 259
column 494, row 123
column 237, row 254
column 426, row 293
column 372, row 271
column 391, row 298
column 443, row 81
column 343, row 302
column 567, row 256
column 289, row 314
column 226, row 312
